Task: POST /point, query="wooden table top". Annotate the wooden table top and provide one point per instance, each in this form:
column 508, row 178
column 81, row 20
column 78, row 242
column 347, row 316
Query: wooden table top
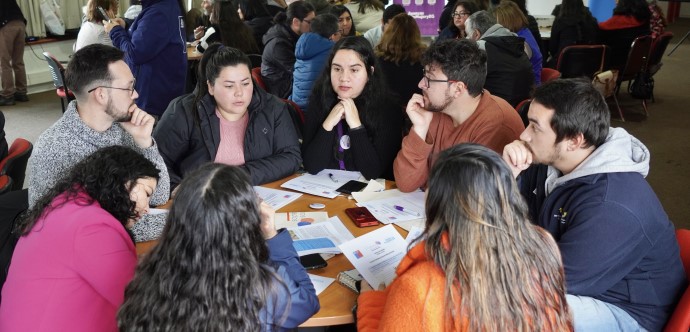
column 192, row 54
column 336, row 300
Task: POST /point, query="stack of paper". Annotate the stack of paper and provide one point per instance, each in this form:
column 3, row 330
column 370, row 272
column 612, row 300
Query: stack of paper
column 320, row 238
column 395, row 206
column 276, row 198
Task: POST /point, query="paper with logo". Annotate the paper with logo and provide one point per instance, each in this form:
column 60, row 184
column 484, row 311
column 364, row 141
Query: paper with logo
column 376, row 255
column 276, row 198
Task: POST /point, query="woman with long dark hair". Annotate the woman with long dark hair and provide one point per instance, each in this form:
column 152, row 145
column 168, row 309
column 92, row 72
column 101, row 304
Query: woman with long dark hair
column 229, row 29
column 227, row 120
column 345, row 23
column 352, row 122
column 245, row 276
column 573, row 25
column 458, row 16
column 75, row 255
column 482, row 265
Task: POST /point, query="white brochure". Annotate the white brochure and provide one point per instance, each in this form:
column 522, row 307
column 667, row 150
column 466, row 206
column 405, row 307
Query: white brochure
column 376, row 255
column 316, row 185
column 318, row 238
column 276, row 198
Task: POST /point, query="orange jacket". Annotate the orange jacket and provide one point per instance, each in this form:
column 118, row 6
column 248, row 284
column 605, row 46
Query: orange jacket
column 413, row 302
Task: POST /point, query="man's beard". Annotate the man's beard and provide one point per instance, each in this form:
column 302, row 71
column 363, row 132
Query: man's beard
column 431, row 107
column 110, row 110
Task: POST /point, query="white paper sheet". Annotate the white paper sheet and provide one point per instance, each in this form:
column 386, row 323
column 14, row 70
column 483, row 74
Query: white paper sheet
column 413, row 234
column 410, row 224
column 403, row 207
column 341, row 176
column 322, row 237
column 315, row 185
column 320, row 283
column 294, row 219
column 276, row 198
column 376, row 255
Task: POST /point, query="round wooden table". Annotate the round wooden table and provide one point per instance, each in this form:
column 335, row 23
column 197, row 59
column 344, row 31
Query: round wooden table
column 336, row 300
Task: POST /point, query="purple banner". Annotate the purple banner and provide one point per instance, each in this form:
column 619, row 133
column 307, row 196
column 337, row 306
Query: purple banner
column 425, row 12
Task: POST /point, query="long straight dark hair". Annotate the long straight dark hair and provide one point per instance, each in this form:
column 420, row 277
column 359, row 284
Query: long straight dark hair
column 506, row 272
column 369, row 103
column 208, row 271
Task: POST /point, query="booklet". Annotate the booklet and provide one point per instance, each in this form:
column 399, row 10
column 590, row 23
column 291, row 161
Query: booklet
column 376, row 255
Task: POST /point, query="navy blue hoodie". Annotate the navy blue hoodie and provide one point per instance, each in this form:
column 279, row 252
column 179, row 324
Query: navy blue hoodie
column 156, row 52
column 617, row 243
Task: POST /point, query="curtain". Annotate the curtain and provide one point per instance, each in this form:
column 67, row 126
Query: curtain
column 34, row 20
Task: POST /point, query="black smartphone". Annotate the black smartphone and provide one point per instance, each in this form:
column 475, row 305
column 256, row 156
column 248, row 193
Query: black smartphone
column 103, row 13
column 351, row 186
column 313, row 261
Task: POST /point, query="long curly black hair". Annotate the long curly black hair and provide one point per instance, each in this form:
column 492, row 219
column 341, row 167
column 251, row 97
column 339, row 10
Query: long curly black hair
column 207, row 273
column 105, row 176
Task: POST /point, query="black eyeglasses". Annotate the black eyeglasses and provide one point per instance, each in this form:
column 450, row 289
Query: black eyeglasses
column 130, row 89
column 460, row 14
column 306, row 20
column 427, row 81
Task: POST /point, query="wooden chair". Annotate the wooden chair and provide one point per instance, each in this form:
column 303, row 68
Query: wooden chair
column 582, row 60
column 680, row 319
column 636, row 62
column 57, row 71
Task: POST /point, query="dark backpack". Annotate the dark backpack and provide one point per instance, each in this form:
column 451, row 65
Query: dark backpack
column 642, row 87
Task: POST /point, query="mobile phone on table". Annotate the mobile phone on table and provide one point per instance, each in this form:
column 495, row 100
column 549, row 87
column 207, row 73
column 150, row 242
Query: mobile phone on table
column 313, row 261
column 361, row 217
column 351, row 186
column 103, row 13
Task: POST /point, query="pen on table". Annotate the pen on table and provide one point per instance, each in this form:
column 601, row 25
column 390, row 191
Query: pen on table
column 402, row 209
column 330, row 175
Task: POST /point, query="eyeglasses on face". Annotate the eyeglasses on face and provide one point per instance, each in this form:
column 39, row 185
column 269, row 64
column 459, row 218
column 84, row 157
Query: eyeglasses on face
column 307, row 21
column 130, row 89
column 427, row 81
column 460, row 14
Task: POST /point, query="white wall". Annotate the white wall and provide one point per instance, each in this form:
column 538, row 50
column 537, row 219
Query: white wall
column 37, row 72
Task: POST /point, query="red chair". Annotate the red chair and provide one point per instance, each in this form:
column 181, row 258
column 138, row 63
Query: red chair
column 5, row 184
column 582, row 60
column 548, row 74
column 256, row 75
column 680, row 319
column 58, row 73
column 14, row 165
column 658, row 49
column 636, row 62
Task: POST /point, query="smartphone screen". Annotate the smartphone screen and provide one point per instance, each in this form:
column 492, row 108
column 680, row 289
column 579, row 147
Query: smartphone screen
column 313, row 261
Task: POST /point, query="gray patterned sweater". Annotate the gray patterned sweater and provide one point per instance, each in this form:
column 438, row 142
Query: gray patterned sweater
column 68, row 141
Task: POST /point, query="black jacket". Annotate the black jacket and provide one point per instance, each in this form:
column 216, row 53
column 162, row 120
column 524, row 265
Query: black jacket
column 10, row 11
column 509, row 72
column 567, row 31
column 271, row 148
column 278, row 60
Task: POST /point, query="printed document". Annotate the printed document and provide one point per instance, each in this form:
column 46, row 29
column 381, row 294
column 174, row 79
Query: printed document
column 403, row 207
column 276, row 198
column 376, row 255
column 294, row 219
column 317, row 238
column 315, row 185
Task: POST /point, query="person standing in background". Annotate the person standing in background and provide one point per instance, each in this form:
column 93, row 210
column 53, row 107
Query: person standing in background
column 92, row 30
column 12, row 34
column 155, row 51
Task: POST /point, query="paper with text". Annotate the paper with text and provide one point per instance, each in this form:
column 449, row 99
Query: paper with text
column 376, row 255
column 276, row 198
column 316, row 185
column 317, row 238
column 403, row 207
column 294, row 219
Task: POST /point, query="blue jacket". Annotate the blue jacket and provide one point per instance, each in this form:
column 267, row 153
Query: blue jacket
column 617, row 243
column 536, row 59
column 298, row 294
column 156, row 52
column 311, row 52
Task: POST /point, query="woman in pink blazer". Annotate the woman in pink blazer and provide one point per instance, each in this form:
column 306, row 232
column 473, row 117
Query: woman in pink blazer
column 75, row 256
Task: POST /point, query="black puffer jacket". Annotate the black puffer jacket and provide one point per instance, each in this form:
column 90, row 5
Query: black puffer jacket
column 189, row 135
column 278, row 60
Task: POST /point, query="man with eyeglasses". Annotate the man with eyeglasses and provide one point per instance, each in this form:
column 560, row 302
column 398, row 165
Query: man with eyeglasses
column 453, row 108
column 103, row 114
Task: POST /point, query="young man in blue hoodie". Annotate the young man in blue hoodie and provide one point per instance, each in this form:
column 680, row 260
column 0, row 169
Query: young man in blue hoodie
column 311, row 52
column 584, row 183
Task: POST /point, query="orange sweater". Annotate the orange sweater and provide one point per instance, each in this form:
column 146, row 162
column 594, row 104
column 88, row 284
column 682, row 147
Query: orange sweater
column 415, row 300
column 493, row 124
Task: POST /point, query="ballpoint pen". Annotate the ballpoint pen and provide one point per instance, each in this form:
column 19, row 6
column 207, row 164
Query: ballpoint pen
column 402, row 209
column 330, row 175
